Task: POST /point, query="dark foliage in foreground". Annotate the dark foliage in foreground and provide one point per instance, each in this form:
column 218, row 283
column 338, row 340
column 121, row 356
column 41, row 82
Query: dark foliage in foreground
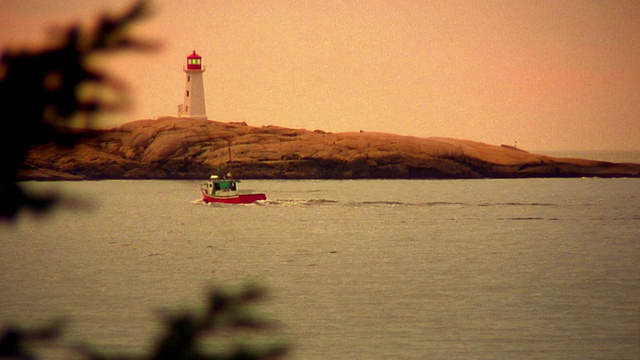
column 43, row 93
column 227, row 328
column 14, row 342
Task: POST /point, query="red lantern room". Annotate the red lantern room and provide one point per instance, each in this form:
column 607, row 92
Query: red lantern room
column 194, row 61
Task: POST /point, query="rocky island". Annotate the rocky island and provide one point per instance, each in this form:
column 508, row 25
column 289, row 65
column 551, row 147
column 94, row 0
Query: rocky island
column 178, row 148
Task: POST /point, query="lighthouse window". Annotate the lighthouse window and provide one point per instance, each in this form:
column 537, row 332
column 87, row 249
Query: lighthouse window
column 188, row 78
column 187, row 93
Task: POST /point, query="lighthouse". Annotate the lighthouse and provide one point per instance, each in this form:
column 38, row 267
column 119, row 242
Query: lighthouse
column 193, row 106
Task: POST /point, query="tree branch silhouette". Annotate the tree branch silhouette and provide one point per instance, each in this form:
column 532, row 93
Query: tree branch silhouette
column 43, row 93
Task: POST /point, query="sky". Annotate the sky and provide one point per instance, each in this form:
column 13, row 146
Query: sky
column 542, row 75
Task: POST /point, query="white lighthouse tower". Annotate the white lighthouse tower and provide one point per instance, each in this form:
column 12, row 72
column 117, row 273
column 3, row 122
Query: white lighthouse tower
column 193, row 106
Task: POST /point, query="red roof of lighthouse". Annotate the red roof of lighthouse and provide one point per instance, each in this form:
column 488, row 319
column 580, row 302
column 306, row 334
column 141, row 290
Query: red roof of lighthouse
column 194, row 61
column 194, row 56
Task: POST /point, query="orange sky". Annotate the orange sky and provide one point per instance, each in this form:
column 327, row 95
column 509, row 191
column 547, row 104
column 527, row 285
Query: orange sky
column 549, row 75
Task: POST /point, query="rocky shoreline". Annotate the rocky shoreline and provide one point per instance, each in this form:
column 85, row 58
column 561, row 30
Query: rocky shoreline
column 175, row 148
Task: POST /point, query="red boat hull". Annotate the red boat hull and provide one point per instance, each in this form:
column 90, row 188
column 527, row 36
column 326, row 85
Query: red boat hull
column 238, row 199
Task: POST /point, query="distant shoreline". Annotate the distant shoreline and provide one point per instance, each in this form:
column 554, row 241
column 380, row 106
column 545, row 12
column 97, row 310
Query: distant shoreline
column 178, row 148
column 616, row 156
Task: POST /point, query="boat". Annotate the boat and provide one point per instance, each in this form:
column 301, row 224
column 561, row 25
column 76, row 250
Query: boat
column 225, row 190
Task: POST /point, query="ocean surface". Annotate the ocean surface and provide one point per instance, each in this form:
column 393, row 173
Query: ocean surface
column 367, row 269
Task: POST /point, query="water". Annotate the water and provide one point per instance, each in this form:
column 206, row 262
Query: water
column 534, row 268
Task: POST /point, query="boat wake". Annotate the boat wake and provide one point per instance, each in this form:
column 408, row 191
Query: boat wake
column 299, row 202
column 330, row 202
column 515, row 204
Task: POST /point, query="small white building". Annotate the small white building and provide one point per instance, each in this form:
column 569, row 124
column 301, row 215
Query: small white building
column 193, row 106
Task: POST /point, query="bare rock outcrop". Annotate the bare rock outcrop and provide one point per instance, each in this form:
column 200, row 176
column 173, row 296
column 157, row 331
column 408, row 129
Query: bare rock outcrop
column 174, row 148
